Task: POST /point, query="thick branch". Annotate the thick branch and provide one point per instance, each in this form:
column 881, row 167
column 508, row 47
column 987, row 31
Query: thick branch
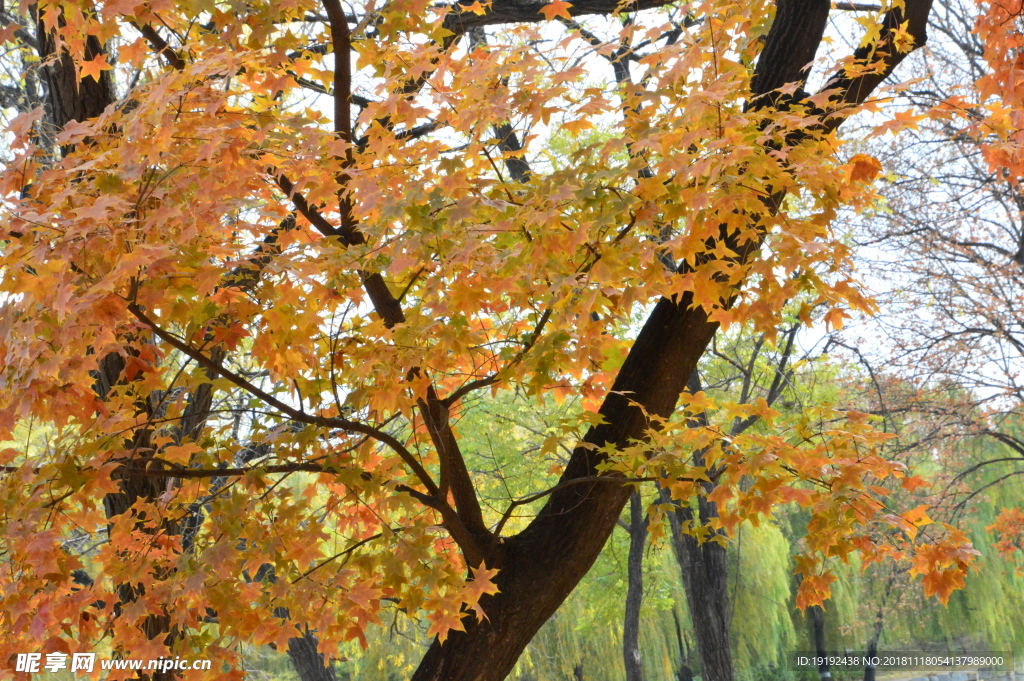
column 789, row 49
column 384, row 302
column 342, row 43
column 72, row 99
column 874, row 63
column 161, row 46
column 454, row 474
column 520, row 11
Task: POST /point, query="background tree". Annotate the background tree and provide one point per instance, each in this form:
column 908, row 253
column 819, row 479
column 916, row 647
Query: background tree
column 946, row 251
column 947, row 245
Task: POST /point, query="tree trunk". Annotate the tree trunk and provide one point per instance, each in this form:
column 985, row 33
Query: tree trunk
column 308, row 663
column 876, row 633
column 683, row 673
column 540, row 566
column 817, row 619
column 705, row 574
column 69, row 99
column 705, row 578
column 634, row 590
column 876, row 630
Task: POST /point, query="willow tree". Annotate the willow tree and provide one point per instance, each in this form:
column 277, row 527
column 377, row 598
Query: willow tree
column 257, row 254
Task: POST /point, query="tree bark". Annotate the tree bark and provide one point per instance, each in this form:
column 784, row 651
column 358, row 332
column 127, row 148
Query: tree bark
column 634, row 590
column 817, row 620
column 68, row 98
column 705, row 578
column 308, row 663
column 705, row 575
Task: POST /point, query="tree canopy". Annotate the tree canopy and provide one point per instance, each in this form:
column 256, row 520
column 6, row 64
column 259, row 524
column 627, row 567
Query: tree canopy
column 257, row 257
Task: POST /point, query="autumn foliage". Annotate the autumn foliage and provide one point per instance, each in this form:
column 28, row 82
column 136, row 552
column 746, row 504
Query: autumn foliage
column 238, row 322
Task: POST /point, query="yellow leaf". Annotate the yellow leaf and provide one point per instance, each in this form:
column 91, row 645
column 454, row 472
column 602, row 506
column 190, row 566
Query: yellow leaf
column 917, row 517
column 834, row 318
column 442, row 622
column 479, row 8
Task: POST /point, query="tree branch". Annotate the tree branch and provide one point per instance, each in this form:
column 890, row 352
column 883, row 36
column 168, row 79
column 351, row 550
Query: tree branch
column 454, row 474
column 291, row 412
column 874, row 63
column 461, row 18
column 161, row 46
column 384, row 302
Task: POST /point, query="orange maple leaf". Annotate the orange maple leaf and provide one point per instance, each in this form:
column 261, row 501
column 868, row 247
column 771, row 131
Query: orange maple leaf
column 443, row 621
column 918, row 516
column 557, row 8
column 94, row 67
column 814, row 590
column 482, row 583
column 864, row 168
column 913, row 482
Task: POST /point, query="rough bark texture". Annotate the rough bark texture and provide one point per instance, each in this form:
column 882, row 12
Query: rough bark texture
column 789, row 49
column 704, row 571
column 705, row 578
column 634, row 590
column 68, row 98
column 308, row 663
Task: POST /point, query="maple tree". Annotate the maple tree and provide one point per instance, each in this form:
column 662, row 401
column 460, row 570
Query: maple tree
column 238, row 329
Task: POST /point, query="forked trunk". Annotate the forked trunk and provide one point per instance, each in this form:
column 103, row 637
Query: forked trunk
column 542, row 565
